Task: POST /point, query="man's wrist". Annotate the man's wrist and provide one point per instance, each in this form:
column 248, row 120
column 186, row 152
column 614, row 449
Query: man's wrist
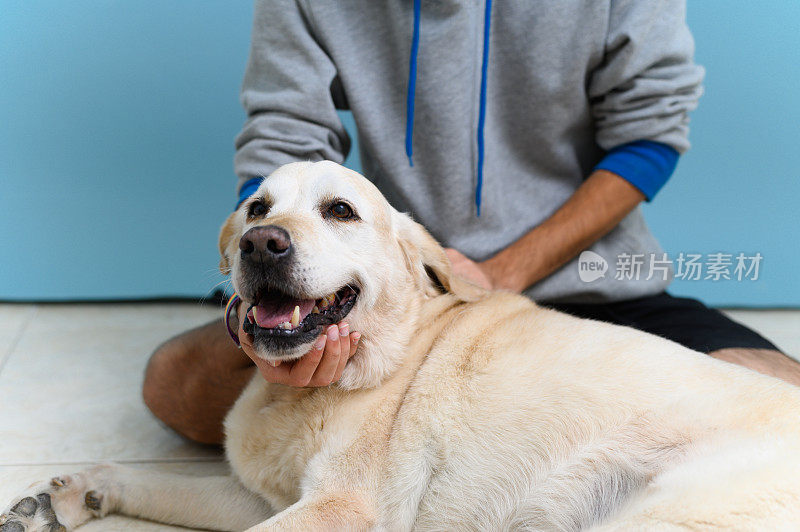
column 503, row 273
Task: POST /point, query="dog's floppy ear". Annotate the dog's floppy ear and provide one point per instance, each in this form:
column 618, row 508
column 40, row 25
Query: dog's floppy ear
column 226, row 235
column 428, row 263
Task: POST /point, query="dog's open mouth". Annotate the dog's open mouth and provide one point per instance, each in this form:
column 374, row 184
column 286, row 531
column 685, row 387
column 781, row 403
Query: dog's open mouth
column 282, row 316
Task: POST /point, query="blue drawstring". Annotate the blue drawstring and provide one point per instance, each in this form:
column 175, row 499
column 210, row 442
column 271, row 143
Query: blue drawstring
column 487, row 19
column 412, row 83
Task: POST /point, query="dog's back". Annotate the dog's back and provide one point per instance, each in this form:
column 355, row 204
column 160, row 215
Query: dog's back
column 521, row 417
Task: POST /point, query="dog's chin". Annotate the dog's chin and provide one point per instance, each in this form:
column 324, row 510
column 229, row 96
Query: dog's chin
column 274, row 349
column 284, row 326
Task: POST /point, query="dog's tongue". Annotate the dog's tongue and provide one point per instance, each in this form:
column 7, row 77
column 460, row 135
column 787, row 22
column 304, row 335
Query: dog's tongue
column 270, row 314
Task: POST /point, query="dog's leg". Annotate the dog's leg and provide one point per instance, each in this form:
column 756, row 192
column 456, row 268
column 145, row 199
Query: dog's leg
column 215, row 503
column 340, row 511
column 738, row 484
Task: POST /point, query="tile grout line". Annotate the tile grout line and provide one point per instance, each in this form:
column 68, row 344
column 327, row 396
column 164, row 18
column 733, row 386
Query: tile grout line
column 156, row 460
column 20, row 333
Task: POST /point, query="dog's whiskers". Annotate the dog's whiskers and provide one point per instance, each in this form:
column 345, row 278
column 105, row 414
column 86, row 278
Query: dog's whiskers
column 225, row 283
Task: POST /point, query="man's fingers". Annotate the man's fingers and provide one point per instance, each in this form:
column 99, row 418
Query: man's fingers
column 470, row 270
column 344, row 340
column 353, row 338
column 303, row 369
column 344, row 351
column 330, row 359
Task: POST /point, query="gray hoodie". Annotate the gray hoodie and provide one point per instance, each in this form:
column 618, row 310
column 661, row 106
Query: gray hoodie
column 567, row 80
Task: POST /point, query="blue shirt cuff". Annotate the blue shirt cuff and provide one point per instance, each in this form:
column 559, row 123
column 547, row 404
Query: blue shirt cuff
column 248, row 188
column 645, row 164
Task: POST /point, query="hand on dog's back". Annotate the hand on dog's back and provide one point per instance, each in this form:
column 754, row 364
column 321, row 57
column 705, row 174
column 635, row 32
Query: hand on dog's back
column 321, row 366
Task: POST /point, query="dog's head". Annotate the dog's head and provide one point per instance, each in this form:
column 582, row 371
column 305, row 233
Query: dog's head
column 318, row 243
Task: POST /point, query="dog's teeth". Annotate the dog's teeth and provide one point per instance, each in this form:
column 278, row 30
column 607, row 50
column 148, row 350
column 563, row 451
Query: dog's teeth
column 287, row 325
column 315, row 310
column 296, row 316
column 274, row 363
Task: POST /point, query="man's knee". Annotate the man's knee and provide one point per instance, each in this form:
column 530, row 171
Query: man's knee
column 767, row 361
column 170, row 391
column 160, row 388
column 193, row 379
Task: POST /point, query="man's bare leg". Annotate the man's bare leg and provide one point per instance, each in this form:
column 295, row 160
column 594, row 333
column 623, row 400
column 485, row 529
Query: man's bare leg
column 766, row 361
column 193, row 379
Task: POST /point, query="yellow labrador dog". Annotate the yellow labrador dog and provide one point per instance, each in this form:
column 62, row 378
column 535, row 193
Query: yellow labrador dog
column 461, row 410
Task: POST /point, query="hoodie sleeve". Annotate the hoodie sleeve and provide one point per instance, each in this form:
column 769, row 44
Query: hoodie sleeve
column 291, row 115
column 647, row 83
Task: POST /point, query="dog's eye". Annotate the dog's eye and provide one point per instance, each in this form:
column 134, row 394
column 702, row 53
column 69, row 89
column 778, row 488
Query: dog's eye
column 341, row 210
column 258, row 209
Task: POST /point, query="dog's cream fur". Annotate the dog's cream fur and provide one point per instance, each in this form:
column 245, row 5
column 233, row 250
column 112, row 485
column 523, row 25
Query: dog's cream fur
column 464, row 409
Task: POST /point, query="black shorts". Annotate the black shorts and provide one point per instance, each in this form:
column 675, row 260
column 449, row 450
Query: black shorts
column 682, row 320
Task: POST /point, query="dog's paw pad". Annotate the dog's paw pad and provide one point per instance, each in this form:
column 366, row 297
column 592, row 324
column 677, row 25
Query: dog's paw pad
column 31, row 514
column 12, row 526
column 59, row 504
column 44, row 501
column 26, row 507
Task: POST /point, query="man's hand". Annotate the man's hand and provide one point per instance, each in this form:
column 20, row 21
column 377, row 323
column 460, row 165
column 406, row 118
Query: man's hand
column 476, row 272
column 321, row 366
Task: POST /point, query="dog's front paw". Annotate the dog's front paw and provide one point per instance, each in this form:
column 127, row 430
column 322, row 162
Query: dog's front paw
column 59, row 504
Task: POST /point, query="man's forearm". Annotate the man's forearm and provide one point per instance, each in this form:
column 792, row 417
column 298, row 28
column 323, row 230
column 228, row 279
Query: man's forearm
column 598, row 205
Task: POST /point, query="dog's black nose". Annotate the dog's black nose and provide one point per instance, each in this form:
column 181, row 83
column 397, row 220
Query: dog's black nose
column 270, row 241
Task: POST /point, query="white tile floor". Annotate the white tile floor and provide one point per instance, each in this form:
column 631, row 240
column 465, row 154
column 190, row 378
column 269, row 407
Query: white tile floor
column 70, row 394
column 70, row 379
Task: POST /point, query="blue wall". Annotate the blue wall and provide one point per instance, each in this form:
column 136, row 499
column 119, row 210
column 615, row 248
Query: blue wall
column 738, row 189
column 117, row 122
